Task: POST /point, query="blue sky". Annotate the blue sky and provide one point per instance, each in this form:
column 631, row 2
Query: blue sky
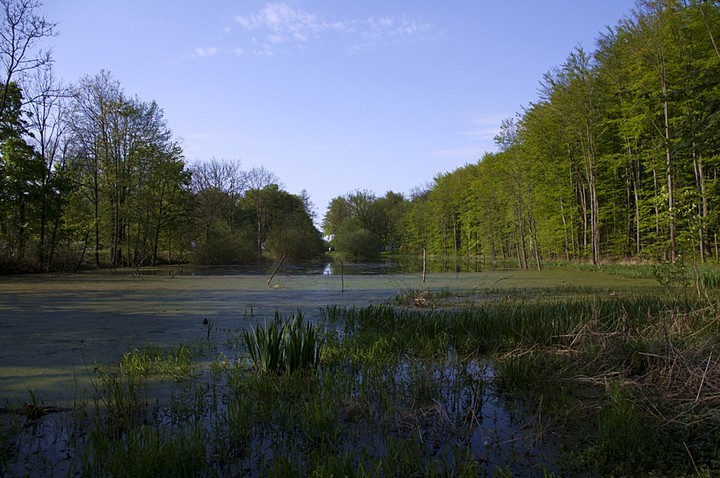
column 332, row 96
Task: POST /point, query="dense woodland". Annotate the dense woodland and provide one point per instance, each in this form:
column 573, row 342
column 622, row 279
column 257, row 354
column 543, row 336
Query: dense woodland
column 618, row 158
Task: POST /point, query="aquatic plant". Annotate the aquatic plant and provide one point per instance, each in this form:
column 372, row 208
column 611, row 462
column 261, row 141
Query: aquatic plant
column 265, row 345
column 284, row 346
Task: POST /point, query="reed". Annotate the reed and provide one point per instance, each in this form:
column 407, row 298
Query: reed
column 265, row 345
column 284, row 346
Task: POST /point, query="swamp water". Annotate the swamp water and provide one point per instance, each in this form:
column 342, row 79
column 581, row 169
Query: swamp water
column 440, row 414
column 440, row 420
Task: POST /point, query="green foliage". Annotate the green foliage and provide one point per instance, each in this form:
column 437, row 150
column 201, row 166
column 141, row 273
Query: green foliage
column 291, row 232
column 672, row 275
column 119, row 193
column 224, row 247
column 145, row 451
column 618, row 158
column 355, row 243
column 22, row 174
column 362, row 225
column 621, row 431
column 533, row 382
column 137, row 190
column 265, row 345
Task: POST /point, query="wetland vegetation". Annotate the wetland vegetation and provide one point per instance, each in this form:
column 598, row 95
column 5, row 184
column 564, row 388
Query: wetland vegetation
column 564, row 372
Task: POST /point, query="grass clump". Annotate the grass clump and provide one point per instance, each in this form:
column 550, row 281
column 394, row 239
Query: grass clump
column 284, row 345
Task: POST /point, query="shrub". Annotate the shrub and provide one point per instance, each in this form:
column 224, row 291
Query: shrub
column 226, row 248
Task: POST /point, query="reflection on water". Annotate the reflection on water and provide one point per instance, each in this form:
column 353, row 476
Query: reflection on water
column 364, row 268
column 394, row 265
column 467, row 412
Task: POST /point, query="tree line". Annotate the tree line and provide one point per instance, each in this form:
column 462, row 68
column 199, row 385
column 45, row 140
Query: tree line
column 618, row 158
column 92, row 177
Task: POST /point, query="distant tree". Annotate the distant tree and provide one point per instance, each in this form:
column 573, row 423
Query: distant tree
column 415, row 235
column 21, row 173
column 446, row 201
column 363, row 208
column 245, row 215
column 258, row 179
column 362, row 224
column 291, row 232
column 391, row 208
column 356, row 243
column 217, row 187
column 221, row 175
column 572, row 90
column 48, row 125
column 123, row 152
column 162, row 206
column 223, row 236
column 338, row 210
column 223, row 246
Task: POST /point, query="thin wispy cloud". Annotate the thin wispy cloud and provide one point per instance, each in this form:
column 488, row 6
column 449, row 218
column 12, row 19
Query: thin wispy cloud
column 468, row 154
column 279, row 25
column 485, row 128
column 375, row 32
column 283, row 23
column 204, row 52
column 479, row 139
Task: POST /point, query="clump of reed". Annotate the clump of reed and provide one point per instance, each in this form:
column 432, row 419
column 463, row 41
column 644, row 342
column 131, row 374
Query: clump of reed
column 284, row 345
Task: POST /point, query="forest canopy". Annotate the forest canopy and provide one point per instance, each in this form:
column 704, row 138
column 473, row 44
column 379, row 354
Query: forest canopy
column 618, row 158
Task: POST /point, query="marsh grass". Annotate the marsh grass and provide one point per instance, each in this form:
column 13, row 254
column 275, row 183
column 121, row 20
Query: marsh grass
column 619, row 371
column 485, row 382
column 635, row 380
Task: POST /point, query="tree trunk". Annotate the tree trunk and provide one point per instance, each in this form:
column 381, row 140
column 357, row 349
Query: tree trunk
column 636, row 193
column 702, row 212
column 668, row 169
column 96, row 201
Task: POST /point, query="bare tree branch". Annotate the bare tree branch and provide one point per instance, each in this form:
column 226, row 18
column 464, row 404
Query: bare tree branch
column 21, row 28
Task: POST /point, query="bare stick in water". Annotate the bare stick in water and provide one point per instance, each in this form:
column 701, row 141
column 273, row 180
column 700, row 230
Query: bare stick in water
column 276, row 269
